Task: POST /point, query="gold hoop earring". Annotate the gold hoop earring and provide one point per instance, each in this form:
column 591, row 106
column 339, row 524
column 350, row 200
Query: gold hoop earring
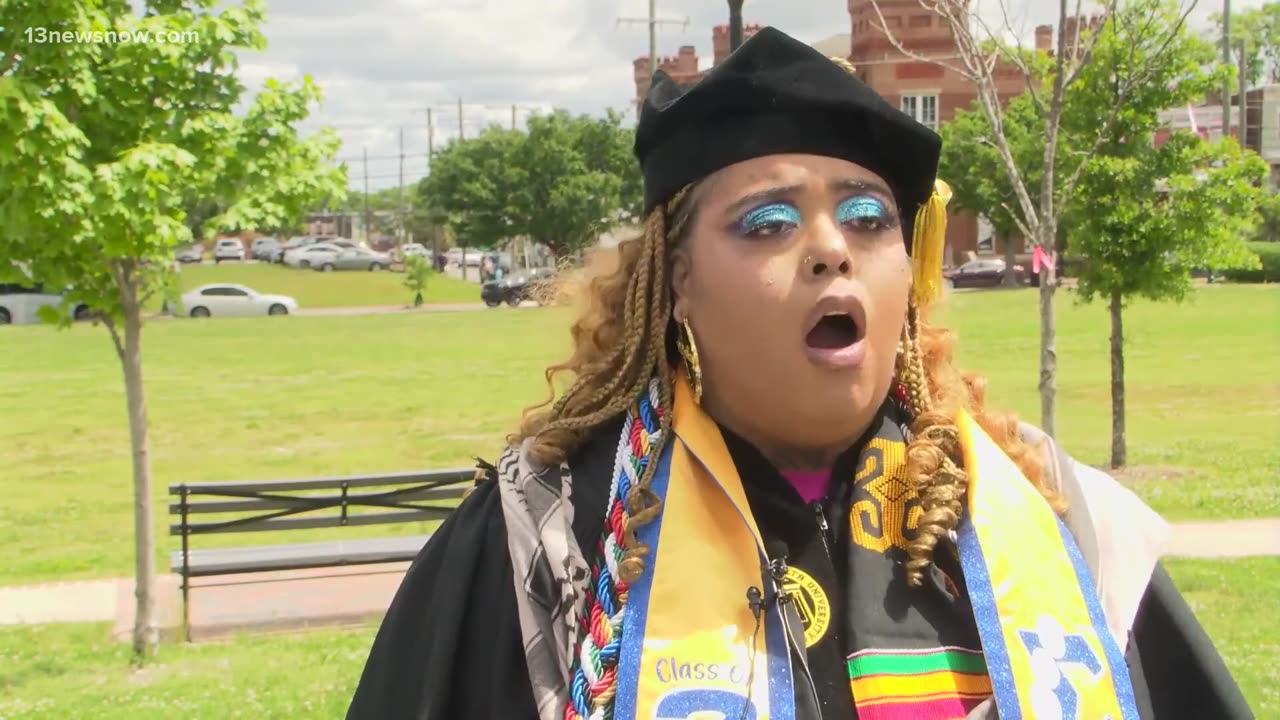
column 689, row 351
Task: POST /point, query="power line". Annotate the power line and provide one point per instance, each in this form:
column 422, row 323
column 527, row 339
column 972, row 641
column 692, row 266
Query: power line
column 389, row 176
column 379, row 157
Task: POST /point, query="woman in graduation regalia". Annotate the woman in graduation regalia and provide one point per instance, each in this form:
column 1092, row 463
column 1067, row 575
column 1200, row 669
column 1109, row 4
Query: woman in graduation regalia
column 768, row 492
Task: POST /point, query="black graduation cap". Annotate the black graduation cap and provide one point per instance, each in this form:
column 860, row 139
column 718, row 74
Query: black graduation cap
column 775, row 95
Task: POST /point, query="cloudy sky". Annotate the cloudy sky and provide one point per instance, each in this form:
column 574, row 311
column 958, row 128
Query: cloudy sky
column 383, row 63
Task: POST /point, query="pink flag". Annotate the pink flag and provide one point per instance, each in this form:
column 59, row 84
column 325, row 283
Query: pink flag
column 1040, row 257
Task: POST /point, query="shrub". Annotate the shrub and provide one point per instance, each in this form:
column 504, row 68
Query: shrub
column 1269, row 254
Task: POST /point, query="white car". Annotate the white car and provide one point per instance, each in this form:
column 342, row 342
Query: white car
column 228, row 300
column 415, row 250
column 471, row 257
column 228, row 250
column 20, row 304
column 311, row 255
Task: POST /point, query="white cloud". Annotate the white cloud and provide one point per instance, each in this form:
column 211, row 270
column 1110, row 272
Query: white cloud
column 382, row 63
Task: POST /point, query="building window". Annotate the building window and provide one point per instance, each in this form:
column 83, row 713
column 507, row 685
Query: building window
column 986, row 244
column 919, row 21
column 923, row 108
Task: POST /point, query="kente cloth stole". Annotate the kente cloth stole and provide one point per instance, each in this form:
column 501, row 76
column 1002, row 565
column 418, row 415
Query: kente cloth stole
column 691, row 644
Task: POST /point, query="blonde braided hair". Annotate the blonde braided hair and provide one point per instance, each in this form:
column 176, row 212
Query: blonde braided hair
column 620, row 342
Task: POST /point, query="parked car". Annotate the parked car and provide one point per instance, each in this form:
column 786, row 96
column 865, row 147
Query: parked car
column 293, row 243
column 983, row 273
column 414, row 250
column 229, row 300
column 471, row 257
column 193, row 254
column 309, row 255
column 351, row 259
column 525, row 285
column 228, row 250
column 20, row 304
column 264, row 248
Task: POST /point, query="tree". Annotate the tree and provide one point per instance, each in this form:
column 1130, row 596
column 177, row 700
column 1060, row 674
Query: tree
column 979, row 54
column 1149, row 213
column 607, row 147
column 105, row 140
column 1259, row 29
column 572, row 180
column 416, row 274
column 972, row 165
column 473, row 184
column 1268, row 229
column 560, row 183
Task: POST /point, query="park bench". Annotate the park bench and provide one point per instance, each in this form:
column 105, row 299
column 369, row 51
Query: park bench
column 286, row 505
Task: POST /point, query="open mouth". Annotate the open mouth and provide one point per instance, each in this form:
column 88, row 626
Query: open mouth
column 833, row 332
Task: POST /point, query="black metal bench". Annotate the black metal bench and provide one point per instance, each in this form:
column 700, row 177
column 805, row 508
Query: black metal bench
column 278, row 505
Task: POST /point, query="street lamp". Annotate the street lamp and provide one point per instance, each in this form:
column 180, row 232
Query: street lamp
column 735, row 24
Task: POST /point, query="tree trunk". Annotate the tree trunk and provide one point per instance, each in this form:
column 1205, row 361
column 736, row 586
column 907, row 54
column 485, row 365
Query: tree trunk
column 129, row 349
column 1048, row 351
column 1010, row 259
column 1118, row 450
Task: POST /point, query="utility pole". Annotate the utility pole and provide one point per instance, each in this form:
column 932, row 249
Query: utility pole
column 431, row 138
column 1244, row 103
column 366, row 195
column 400, row 192
column 461, row 133
column 513, row 116
column 653, row 36
column 653, row 21
column 735, row 24
column 1226, row 58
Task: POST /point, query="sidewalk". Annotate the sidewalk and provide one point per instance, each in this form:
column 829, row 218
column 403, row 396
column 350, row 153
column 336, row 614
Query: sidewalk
column 360, row 594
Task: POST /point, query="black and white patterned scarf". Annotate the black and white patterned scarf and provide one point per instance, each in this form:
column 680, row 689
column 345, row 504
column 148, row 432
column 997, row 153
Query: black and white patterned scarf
column 549, row 570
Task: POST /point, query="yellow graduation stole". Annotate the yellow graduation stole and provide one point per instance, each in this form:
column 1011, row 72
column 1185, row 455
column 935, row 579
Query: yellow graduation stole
column 693, row 648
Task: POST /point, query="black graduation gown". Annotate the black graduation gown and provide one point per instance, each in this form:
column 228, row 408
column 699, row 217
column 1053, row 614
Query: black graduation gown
column 449, row 646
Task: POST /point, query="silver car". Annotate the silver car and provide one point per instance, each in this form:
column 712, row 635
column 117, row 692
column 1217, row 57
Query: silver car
column 356, row 258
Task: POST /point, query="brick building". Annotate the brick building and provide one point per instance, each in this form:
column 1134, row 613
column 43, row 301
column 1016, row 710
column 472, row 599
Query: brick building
column 683, row 66
column 927, row 91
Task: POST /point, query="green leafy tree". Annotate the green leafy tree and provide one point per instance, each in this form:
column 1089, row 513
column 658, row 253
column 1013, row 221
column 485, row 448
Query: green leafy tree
column 1148, row 213
column 417, row 272
column 472, row 185
column 981, row 58
column 561, row 183
column 1259, row 29
column 1269, row 228
column 608, row 148
column 570, row 188
column 103, row 144
column 972, row 165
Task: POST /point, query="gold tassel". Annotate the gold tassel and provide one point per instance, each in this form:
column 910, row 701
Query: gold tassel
column 928, row 240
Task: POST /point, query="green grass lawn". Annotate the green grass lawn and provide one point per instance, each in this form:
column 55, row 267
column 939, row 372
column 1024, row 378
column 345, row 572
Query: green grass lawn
column 1236, row 601
column 335, row 289
column 75, row 671
column 298, row 397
